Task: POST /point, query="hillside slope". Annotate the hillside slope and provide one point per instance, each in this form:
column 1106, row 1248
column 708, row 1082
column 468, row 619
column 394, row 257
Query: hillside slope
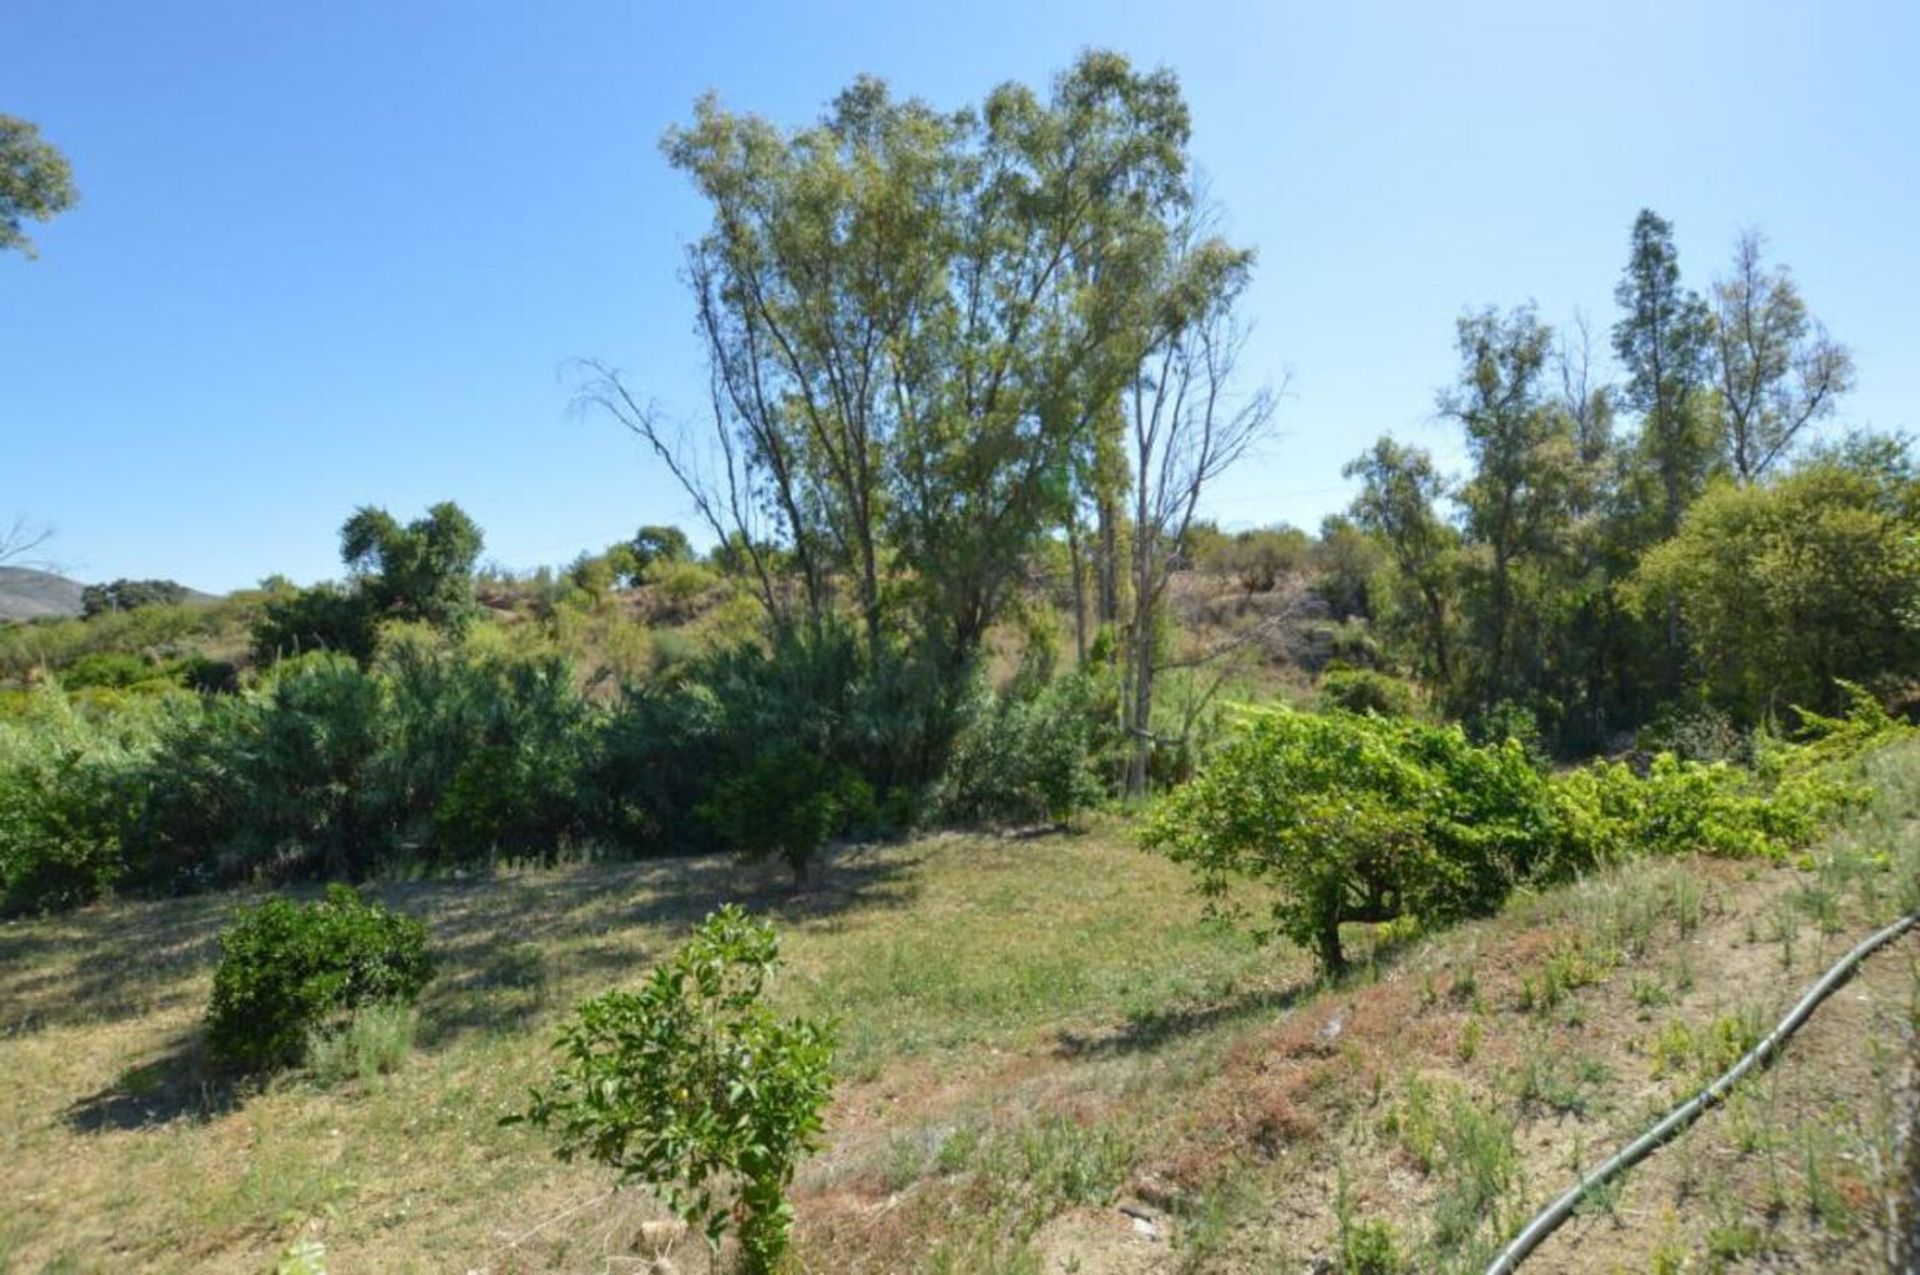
column 1050, row 1062
column 26, row 594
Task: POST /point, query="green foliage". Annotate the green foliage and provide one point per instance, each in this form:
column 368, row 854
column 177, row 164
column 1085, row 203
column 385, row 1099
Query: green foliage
column 1358, row 819
column 64, row 793
column 878, row 719
column 692, row 1086
column 310, row 765
column 1359, row 690
column 653, row 544
column 127, row 595
column 156, row 634
column 323, row 618
column 36, row 182
column 116, row 669
column 498, row 750
column 1031, row 755
column 1365, row 818
column 787, row 803
column 1259, row 559
column 289, row 969
column 420, row 572
column 1792, row 583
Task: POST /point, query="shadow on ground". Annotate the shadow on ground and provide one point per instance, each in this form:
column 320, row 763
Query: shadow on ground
column 503, row 940
column 179, row 1084
column 1153, row 1029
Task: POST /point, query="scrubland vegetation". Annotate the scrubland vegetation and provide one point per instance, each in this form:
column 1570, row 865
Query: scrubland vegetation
column 1150, row 897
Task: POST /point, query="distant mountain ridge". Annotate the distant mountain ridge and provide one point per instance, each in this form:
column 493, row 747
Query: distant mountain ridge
column 27, row 594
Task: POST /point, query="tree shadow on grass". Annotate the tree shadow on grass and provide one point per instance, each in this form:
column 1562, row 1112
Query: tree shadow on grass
column 132, row 959
column 180, row 1083
column 506, row 946
column 108, row 963
column 1153, row 1029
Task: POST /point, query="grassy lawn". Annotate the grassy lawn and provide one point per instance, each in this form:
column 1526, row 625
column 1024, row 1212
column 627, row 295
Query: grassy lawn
column 1037, row 1033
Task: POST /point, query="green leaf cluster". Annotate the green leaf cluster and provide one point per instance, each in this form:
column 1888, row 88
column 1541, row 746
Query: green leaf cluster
column 287, row 969
column 692, row 1086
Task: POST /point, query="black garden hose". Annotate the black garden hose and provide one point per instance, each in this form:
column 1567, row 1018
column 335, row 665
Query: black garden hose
column 1550, row 1218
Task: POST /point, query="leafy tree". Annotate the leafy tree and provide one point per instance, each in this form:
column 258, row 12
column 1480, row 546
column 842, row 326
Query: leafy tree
column 1399, row 486
column 36, row 183
column 1516, row 502
column 422, row 571
column 1777, row 369
column 653, row 544
column 1357, row 819
column 125, row 595
column 1662, row 340
column 692, row 1086
column 1260, row 558
column 914, row 319
column 1792, row 582
column 1345, row 562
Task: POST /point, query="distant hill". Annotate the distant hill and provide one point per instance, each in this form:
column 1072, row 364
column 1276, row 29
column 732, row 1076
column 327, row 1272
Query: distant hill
column 26, row 594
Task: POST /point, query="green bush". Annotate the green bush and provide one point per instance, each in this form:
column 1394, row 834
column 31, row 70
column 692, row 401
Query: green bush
column 787, row 803
column 693, row 1087
column 110, row 669
column 1364, row 818
column 323, row 618
column 1029, row 757
column 1361, row 690
column 1358, row 819
column 67, row 787
column 515, row 785
column 311, row 772
column 287, row 970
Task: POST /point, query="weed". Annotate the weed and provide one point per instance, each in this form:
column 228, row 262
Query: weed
column 1649, row 993
column 1469, row 1045
column 1825, row 1199
column 374, row 1042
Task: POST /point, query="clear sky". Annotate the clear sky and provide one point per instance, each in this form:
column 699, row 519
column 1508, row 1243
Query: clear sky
column 338, row 254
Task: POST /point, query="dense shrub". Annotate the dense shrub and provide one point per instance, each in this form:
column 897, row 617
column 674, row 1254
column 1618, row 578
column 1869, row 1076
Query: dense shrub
column 1361, row 690
column 109, row 668
column 740, row 712
column 786, row 803
column 66, row 786
column 1028, row 757
column 288, row 969
column 323, row 618
column 1358, row 819
column 514, row 788
column 692, row 1086
column 311, row 769
column 148, row 632
column 1364, row 818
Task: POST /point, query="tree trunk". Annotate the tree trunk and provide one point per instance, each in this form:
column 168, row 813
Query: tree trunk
column 1078, row 569
column 1326, row 944
column 1139, row 729
column 1109, row 560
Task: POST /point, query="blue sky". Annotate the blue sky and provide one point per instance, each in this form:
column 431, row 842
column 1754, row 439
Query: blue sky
column 338, row 254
